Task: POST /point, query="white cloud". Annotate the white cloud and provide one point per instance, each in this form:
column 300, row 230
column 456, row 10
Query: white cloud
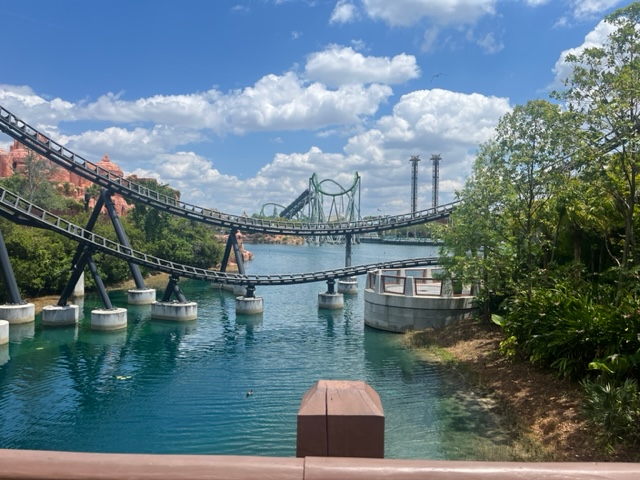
column 489, row 44
column 596, row 38
column 344, row 12
column 338, row 65
column 284, row 102
column 445, row 12
column 422, row 122
column 592, row 8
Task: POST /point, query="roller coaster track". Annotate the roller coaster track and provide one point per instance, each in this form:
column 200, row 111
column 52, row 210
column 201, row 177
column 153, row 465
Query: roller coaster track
column 296, row 206
column 19, row 210
column 43, row 145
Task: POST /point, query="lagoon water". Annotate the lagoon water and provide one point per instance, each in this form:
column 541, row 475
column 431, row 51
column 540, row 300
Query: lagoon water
column 161, row 387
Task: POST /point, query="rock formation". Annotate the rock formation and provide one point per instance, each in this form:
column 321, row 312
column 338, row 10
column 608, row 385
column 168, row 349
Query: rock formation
column 67, row 183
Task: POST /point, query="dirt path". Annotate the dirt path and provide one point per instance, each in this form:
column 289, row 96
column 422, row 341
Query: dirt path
column 544, row 410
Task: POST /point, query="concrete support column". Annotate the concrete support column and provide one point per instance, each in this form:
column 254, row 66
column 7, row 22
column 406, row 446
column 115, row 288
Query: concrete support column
column 379, row 287
column 176, row 311
column 340, row 418
column 330, row 300
column 409, row 287
column 4, row 332
column 142, row 296
column 249, row 304
column 16, row 314
column 348, row 286
column 55, row 315
column 109, row 319
column 78, row 290
column 239, row 290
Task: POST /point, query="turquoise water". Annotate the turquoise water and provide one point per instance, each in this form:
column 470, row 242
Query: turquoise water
column 161, row 387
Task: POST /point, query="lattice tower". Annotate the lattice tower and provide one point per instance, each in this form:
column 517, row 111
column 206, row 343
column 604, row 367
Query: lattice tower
column 435, row 158
column 414, row 182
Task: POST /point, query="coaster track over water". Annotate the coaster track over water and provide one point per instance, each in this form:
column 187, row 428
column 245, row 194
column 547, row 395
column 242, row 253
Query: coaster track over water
column 43, row 145
column 20, row 211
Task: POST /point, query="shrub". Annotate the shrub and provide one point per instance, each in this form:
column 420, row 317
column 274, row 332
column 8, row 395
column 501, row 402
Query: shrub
column 565, row 328
column 613, row 410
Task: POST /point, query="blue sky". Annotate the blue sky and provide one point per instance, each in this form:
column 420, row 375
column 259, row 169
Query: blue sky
column 238, row 102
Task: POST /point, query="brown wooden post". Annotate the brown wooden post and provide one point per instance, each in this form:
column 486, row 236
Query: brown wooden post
column 339, row 418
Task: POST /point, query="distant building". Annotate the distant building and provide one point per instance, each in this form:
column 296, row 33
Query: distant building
column 67, row 183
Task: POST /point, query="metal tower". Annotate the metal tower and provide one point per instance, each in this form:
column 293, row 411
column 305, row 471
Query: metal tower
column 436, row 177
column 414, row 182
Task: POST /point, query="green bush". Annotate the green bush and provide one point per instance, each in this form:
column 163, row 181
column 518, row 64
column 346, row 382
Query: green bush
column 613, row 410
column 565, row 328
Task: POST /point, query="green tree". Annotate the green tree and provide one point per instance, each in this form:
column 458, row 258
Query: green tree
column 506, row 227
column 33, row 183
column 604, row 88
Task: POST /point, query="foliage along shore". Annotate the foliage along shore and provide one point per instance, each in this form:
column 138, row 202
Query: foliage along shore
column 541, row 413
column 549, row 223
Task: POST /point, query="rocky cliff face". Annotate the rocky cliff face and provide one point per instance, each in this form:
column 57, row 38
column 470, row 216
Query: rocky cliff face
column 274, row 239
column 67, row 183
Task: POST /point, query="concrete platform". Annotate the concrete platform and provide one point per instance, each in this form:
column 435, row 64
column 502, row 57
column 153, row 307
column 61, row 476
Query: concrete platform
column 176, row 311
column 113, row 319
column 145, row 296
column 330, row 301
column 411, row 299
column 16, row 314
column 249, row 305
column 4, row 332
column 54, row 315
column 348, row 286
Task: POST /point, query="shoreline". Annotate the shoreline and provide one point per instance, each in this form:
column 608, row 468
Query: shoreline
column 542, row 411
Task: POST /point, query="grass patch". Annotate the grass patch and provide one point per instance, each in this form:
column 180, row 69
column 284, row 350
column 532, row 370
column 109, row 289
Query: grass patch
column 426, row 347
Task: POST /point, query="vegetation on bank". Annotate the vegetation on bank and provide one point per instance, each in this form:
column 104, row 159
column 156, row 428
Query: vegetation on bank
column 41, row 259
column 549, row 225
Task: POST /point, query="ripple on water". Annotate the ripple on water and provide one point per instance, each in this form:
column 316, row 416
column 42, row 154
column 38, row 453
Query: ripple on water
column 163, row 387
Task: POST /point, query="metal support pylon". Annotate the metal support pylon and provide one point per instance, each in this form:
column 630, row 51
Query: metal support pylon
column 8, row 275
column 232, row 243
column 173, row 289
column 122, row 236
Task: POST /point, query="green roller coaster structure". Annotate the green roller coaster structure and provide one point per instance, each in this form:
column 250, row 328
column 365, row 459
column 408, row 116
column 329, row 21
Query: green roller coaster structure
column 331, row 202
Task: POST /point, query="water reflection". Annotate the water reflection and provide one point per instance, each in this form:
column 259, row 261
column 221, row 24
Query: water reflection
column 4, row 354
column 251, row 324
column 21, row 331
column 79, row 301
column 329, row 318
column 56, row 336
column 180, row 387
column 166, row 327
column 104, row 337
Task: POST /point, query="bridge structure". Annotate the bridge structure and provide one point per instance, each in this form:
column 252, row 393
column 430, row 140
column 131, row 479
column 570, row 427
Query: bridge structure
column 335, row 224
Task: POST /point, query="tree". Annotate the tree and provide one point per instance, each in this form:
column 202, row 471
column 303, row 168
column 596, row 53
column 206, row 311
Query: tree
column 506, row 226
column 604, row 89
column 33, row 182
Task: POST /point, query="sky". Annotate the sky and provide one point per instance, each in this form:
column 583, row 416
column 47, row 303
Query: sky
column 237, row 103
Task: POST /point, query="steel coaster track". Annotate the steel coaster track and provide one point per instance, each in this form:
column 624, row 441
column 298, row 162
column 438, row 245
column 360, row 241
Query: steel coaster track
column 21, row 211
column 43, row 145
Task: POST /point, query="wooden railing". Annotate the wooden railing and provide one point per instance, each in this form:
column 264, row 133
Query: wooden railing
column 45, row 465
